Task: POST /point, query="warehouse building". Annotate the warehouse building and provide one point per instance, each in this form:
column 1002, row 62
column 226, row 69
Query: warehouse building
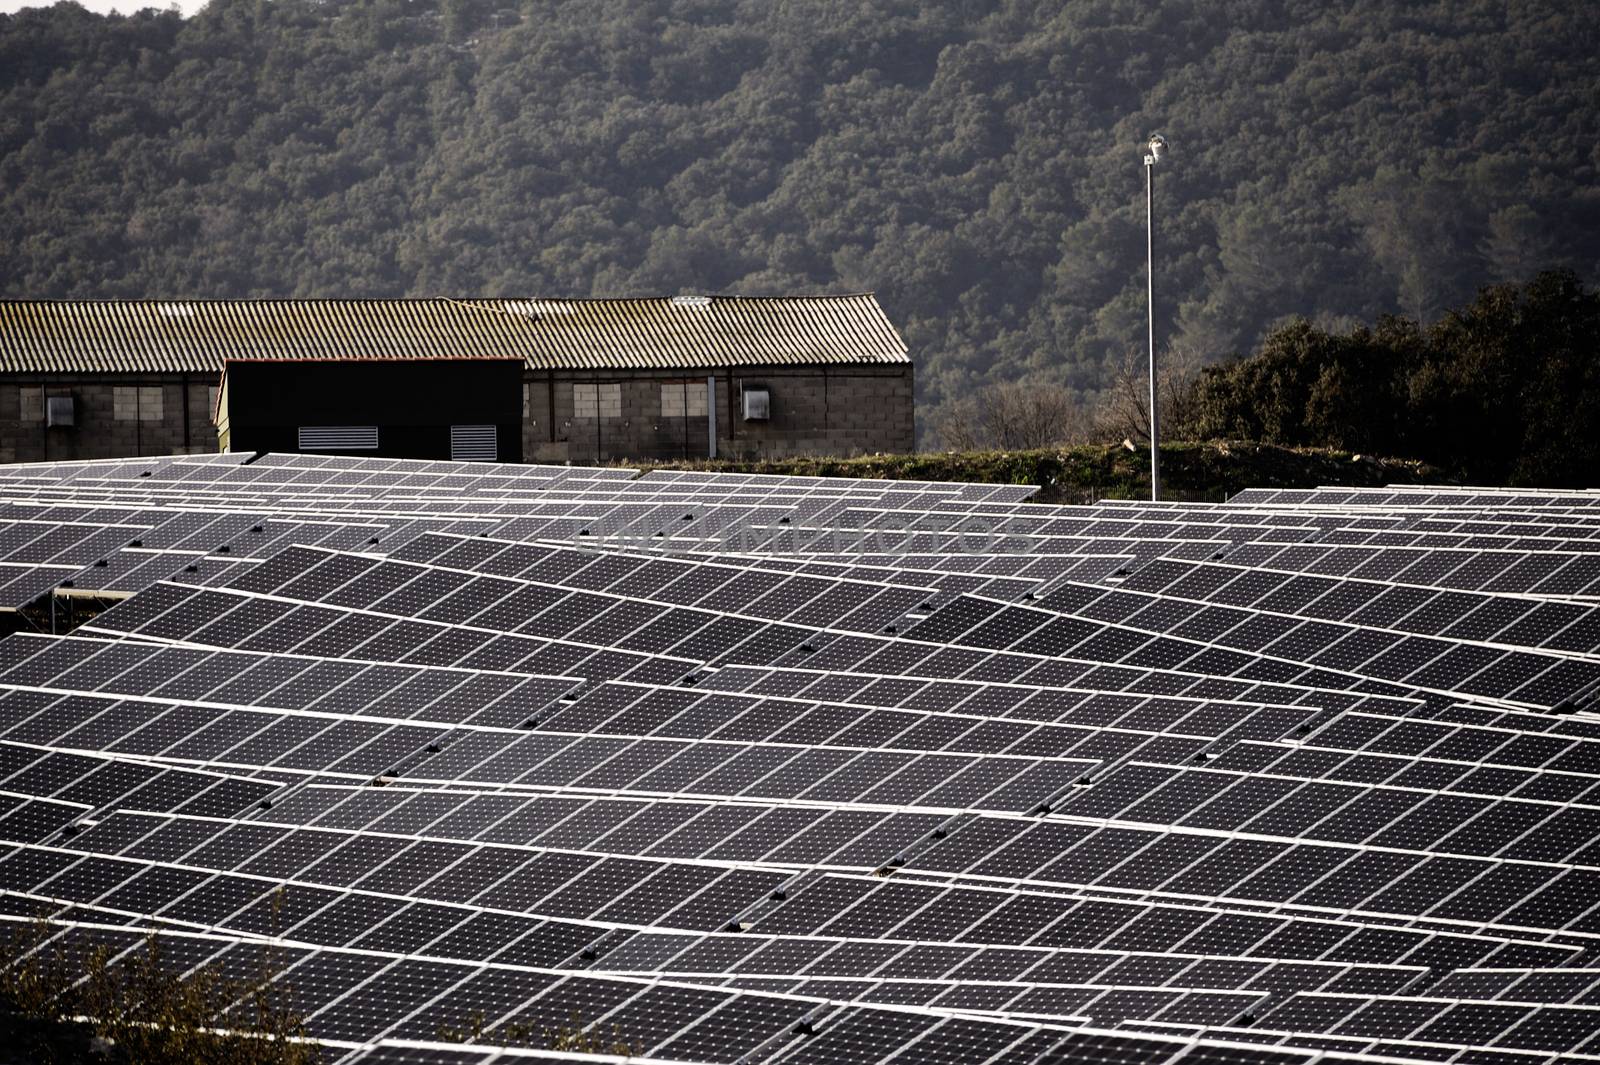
column 600, row 380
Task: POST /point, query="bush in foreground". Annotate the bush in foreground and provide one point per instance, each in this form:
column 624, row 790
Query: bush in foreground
column 63, row 1005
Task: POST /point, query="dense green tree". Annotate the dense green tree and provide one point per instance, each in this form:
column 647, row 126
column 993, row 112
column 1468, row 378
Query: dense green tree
column 1308, row 387
column 1503, row 390
column 1511, row 386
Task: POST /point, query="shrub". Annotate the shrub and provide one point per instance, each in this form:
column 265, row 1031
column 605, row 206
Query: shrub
column 65, row 1005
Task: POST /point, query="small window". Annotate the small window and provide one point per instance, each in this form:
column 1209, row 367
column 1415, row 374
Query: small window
column 60, row 411
column 142, row 404
column 683, row 399
column 597, row 401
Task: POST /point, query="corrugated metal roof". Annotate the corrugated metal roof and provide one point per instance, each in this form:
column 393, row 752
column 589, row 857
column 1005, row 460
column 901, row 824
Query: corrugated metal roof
column 140, row 336
column 146, row 336
column 706, row 332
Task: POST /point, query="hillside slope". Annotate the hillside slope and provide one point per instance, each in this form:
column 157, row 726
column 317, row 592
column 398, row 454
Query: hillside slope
column 974, row 161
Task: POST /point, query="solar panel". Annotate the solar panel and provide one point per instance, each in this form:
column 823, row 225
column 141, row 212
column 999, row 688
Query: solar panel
column 729, row 767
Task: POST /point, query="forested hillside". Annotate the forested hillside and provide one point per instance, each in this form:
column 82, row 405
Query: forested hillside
column 977, row 162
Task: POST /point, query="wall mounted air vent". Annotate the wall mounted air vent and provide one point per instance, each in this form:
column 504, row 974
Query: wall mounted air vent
column 473, row 443
column 757, row 405
column 338, row 437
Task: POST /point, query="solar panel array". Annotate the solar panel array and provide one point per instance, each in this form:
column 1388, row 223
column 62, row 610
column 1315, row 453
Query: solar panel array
column 730, row 768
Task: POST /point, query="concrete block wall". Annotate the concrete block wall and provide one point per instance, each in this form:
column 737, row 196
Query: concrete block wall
column 562, row 422
column 834, row 410
column 814, row 411
column 184, row 425
column 847, row 411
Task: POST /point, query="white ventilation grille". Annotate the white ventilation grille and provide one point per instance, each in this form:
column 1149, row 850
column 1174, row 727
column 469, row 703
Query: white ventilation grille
column 473, row 443
column 338, row 437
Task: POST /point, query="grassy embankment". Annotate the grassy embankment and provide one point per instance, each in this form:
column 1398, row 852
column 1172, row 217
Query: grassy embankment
column 1209, row 471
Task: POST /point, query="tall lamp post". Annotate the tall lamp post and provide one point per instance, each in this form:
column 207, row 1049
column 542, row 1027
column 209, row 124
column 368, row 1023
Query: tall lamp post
column 1155, row 151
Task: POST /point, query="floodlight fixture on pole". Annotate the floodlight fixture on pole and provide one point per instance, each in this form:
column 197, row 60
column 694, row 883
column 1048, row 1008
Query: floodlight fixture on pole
column 1155, row 151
